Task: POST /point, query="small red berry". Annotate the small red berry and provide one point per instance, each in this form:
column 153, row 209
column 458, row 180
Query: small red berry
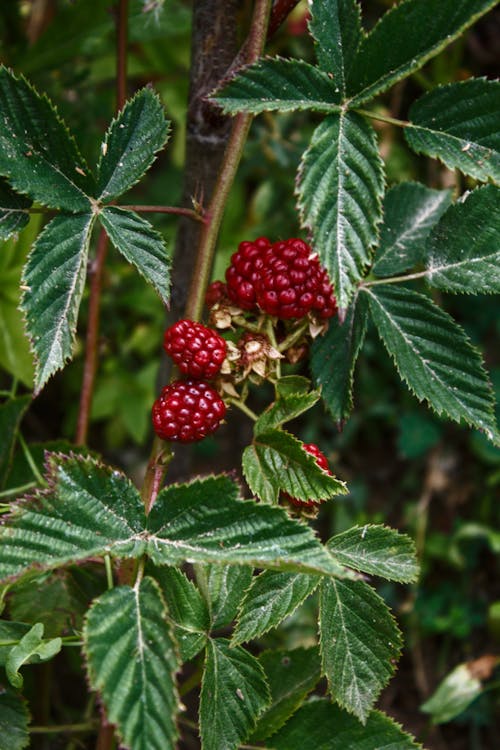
column 216, row 292
column 322, row 462
column 292, row 282
column 198, row 351
column 187, row 411
column 244, row 271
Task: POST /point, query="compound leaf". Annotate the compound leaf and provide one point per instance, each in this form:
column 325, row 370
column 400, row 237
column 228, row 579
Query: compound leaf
column 271, row 597
column 130, row 145
column 339, row 196
column 411, row 211
column 458, row 124
column 334, row 355
column 13, row 213
column 234, row 692
column 408, row 35
column 132, row 661
column 276, row 461
column 31, row 648
column 205, row 521
column 87, row 510
column 278, row 84
column 377, row 550
column 434, row 356
column 53, row 280
column 291, row 676
column 336, row 28
column 37, row 154
column 360, row 643
column 463, row 250
column 141, row 245
column 321, row 725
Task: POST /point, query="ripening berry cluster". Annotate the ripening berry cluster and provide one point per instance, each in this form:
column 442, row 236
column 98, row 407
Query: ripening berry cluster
column 284, row 279
column 189, row 410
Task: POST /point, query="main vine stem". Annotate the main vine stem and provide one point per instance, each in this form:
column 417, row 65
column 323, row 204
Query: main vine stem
column 160, row 453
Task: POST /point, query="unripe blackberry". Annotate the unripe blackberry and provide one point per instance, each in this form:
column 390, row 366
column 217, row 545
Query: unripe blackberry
column 322, row 462
column 292, row 282
column 244, row 271
column 197, row 351
column 187, row 411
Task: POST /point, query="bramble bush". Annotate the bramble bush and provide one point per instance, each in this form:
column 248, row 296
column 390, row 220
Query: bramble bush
column 171, row 587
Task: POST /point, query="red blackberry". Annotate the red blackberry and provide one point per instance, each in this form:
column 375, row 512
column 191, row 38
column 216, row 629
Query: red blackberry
column 292, row 282
column 322, row 462
column 187, row 411
column 247, row 264
column 216, row 292
column 197, row 350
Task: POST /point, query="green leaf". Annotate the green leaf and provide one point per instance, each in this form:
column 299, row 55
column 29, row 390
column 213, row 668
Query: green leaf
column 360, row 644
column 37, row 154
column 132, row 662
column 377, row 550
column 336, row 28
column 458, row 124
column 411, row 211
column 10, row 634
column 289, row 385
column 52, row 599
column 434, row 356
column 11, row 414
column 278, row 84
column 334, row 355
column 14, row 718
column 15, row 355
column 141, row 245
column 339, row 196
column 463, row 251
column 205, row 521
column 408, row 35
column 276, row 461
column 13, row 213
column 319, row 725
column 453, row 695
column 224, row 587
column 234, row 692
column 291, row 676
column 87, row 510
column 54, row 278
column 187, row 609
column 130, row 145
column 271, row 597
column 31, row 648
column 284, row 409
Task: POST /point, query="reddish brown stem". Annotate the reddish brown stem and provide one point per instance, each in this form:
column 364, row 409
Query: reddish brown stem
column 279, row 11
column 178, row 211
column 91, row 341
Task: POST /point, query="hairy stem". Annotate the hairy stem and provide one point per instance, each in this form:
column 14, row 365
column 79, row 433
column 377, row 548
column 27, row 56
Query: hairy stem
column 178, row 211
